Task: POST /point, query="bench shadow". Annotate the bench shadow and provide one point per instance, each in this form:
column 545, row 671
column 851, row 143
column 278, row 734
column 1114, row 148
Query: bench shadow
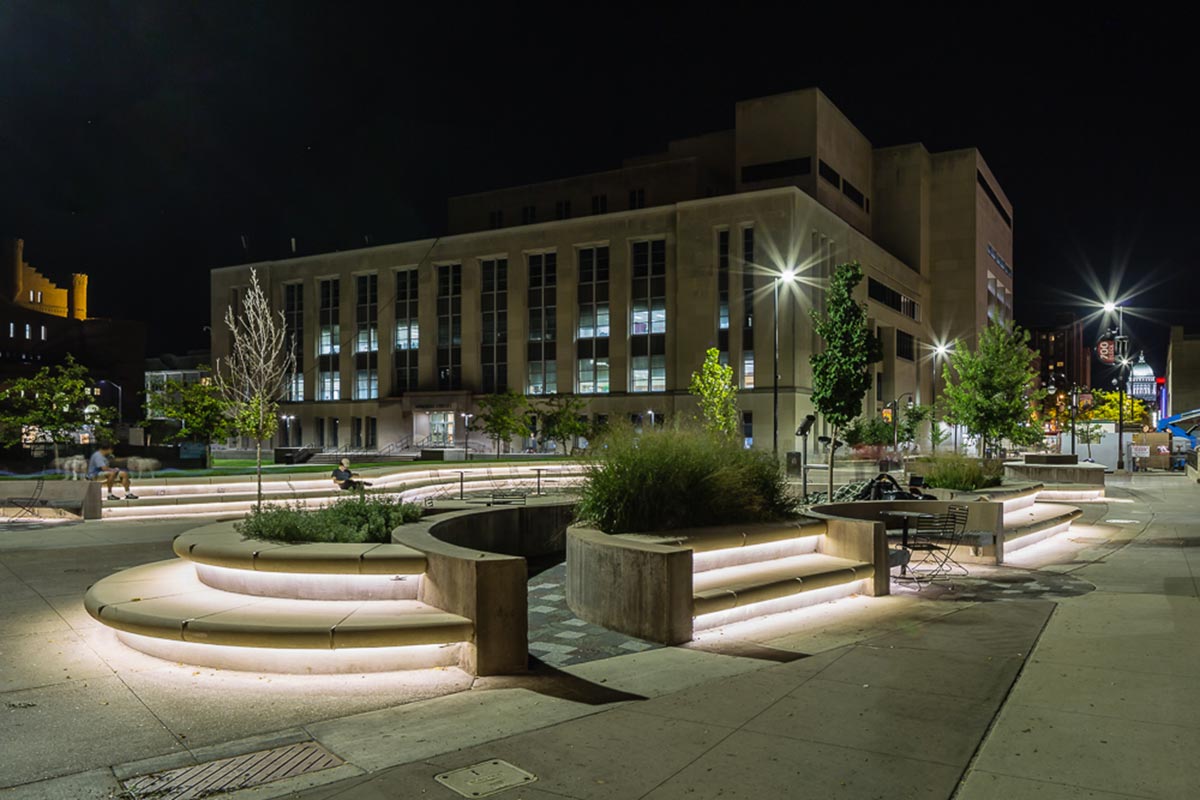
column 548, row 680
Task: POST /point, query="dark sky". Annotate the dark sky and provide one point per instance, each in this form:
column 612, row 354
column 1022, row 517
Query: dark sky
column 141, row 141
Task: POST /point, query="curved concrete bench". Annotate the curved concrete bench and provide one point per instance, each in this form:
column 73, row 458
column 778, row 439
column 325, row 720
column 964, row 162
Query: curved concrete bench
column 1034, row 524
column 165, row 601
column 665, row 586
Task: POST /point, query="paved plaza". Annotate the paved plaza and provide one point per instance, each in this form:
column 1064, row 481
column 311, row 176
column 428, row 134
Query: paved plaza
column 1071, row 673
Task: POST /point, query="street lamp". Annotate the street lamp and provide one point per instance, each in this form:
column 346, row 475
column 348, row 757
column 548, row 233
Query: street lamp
column 1122, row 342
column 786, row 274
column 467, row 427
column 286, row 419
column 120, row 399
column 939, row 352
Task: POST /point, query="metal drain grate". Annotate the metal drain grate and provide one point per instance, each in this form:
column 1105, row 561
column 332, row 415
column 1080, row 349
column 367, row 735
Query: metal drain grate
column 230, row 774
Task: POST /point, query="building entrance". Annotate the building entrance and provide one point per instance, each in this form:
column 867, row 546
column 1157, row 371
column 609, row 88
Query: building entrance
column 441, row 428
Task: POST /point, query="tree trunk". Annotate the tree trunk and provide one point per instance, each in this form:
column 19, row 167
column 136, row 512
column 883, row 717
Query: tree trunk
column 258, row 469
column 829, row 477
column 208, row 455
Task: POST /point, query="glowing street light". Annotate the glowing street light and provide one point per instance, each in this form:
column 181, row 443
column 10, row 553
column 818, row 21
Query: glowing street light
column 787, row 274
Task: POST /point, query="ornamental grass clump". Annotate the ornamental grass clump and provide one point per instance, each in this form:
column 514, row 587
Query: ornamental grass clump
column 679, row 478
column 352, row 520
column 953, row 471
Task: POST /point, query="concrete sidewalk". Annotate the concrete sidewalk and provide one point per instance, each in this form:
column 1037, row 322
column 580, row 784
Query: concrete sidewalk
column 1072, row 680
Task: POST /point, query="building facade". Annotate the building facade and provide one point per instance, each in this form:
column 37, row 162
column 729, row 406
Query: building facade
column 1064, row 356
column 611, row 286
column 1183, row 371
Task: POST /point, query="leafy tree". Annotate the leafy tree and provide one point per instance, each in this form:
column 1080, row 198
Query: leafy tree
column 1087, row 432
column 1107, row 406
column 202, row 411
column 713, row 386
column 502, row 416
column 910, row 422
column 562, row 419
column 991, row 390
column 52, row 405
column 252, row 377
column 841, row 374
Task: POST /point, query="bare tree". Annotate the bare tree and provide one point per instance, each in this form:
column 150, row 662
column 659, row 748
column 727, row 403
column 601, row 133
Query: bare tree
column 253, row 377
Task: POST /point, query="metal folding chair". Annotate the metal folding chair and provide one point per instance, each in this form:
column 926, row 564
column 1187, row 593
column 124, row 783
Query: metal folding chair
column 27, row 505
column 933, row 545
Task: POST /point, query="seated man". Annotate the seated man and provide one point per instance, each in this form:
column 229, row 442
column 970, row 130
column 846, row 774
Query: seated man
column 99, row 469
column 344, row 478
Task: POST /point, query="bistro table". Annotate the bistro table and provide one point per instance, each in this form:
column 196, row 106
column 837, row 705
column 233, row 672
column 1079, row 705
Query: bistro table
column 905, row 517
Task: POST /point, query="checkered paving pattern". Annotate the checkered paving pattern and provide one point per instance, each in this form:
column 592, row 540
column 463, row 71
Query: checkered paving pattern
column 558, row 638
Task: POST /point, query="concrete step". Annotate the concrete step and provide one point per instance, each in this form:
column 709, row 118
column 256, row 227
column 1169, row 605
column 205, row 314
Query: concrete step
column 736, row 587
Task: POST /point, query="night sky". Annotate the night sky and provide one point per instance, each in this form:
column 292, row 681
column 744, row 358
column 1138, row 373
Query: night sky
column 142, row 141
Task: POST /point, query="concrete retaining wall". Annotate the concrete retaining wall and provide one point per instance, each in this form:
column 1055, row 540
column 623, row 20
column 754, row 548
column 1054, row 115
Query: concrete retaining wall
column 640, row 589
column 1082, row 474
column 984, row 517
column 76, row 497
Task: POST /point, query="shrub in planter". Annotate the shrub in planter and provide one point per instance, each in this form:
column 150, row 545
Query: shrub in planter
column 679, row 478
column 953, row 471
column 355, row 520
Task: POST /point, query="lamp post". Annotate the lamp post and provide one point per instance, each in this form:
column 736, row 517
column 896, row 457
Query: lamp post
column 1122, row 342
column 120, row 399
column 786, row 274
column 938, row 352
column 467, row 441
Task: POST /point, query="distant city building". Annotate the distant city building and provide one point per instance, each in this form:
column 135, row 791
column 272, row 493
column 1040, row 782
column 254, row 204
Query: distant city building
column 1183, row 371
column 1142, row 383
column 168, row 367
column 41, row 322
column 612, row 285
column 1063, row 353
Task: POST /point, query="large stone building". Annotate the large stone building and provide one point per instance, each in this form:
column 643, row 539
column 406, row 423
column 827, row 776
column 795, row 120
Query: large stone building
column 41, row 323
column 1064, row 355
column 612, row 285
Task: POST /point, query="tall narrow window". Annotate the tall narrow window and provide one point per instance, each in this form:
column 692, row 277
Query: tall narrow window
column 637, row 198
column 407, row 333
column 591, row 344
column 543, row 325
column 599, row 204
column 494, row 302
column 528, row 215
column 366, row 338
column 723, row 295
column 748, row 287
column 449, row 315
column 562, row 209
column 293, row 314
column 648, row 318
column 329, row 341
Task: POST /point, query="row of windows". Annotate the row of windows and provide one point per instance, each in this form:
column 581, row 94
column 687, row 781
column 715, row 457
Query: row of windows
column 562, row 209
column 364, row 432
column 897, row 301
column 14, row 329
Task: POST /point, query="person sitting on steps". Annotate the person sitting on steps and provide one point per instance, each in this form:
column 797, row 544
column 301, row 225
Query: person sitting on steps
column 101, row 469
column 344, row 478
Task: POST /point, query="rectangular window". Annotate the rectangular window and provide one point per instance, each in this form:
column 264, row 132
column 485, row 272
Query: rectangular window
column 637, row 198
column 329, row 341
column 591, row 344
column 293, row 320
column 748, row 291
column 366, row 339
column 494, row 304
column 528, row 215
column 882, row 293
column 371, row 433
column 43, row 333
column 599, row 204
column 562, row 209
column 329, row 385
column 905, row 346
column 495, row 219
column 648, row 317
column 320, row 431
column 747, row 369
column 879, row 387
column 777, row 169
column 854, row 194
column 747, row 429
column 542, row 303
column 449, row 326
column 404, row 359
column 829, row 173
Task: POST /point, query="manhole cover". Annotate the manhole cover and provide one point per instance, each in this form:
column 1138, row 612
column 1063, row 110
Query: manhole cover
column 483, row 780
column 231, row 774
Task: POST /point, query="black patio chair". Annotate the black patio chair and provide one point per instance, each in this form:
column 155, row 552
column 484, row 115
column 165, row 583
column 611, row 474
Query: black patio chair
column 26, row 505
column 933, row 544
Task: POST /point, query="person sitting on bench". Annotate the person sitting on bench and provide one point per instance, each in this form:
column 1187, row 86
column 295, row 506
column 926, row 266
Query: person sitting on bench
column 100, row 469
column 344, row 478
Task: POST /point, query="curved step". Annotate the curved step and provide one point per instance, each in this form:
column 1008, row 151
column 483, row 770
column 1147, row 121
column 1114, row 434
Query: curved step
column 165, row 600
column 727, row 588
column 1035, row 523
column 220, row 545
